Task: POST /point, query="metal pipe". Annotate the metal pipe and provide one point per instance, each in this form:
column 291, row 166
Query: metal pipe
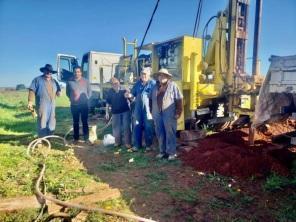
column 124, row 46
column 257, row 27
column 256, row 64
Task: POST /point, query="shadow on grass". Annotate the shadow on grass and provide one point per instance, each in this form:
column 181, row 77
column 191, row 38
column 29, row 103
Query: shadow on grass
column 22, row 115
column 10, row 137
column 6, row 106
column 16, row 140
column 27, row 126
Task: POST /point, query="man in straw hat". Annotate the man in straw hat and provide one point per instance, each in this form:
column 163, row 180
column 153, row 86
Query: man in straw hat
column 45, row 89
column 142, row 117
column 166, row 110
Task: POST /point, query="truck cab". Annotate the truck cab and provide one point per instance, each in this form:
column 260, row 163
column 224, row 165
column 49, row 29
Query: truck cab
column 97, row 68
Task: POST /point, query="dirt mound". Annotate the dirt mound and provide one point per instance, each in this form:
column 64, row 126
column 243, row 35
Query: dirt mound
column 228, row 153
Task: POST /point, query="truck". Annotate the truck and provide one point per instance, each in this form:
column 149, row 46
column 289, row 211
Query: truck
column 97, row 68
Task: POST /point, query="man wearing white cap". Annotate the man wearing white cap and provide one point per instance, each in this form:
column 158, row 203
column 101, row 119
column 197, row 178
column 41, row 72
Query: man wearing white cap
column 142, row 117
column 166, row 109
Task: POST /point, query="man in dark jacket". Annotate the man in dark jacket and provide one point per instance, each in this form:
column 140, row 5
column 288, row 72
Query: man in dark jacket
column 78, row 91
column 121, row 115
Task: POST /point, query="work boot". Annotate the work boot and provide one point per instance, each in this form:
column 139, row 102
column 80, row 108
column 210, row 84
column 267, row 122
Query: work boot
column 134, row 149
column 88, row 142
column 116, row 145
column 160, row 156
column 128, row 146
column 172, row 157
column 148, row 148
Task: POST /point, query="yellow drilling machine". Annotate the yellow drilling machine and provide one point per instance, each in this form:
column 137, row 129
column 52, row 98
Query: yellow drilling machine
column 210, row 70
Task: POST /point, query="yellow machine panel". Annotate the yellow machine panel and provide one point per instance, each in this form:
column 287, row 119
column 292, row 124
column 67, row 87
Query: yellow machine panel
column 183, row 59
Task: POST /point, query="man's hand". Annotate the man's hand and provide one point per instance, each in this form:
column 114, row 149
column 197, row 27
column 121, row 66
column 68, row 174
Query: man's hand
column 177, row 116
column 30, row 106
column 128, row 95
column 58, row 93
column 107, row 116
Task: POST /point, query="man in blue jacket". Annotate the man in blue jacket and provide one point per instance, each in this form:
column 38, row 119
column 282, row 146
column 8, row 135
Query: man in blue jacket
column 142, row 117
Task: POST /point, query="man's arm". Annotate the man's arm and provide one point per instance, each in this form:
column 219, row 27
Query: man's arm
column 179, row 108
column 68, row 90
column 133, row 90
column 31, row 95
column 88, row 90
column 58, row 93
column 179, row 101
column 108, row 104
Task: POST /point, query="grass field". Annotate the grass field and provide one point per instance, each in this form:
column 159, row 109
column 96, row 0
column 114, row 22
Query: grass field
column 162, row 190
column 64, row 175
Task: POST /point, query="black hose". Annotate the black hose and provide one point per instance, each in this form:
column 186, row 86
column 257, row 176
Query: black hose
column 149, row 24
column 43, row 197
column 204, row 33
column 197, row 18
column 82, row 207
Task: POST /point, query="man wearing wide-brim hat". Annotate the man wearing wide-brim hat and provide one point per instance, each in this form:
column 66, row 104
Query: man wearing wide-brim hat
column 166, row 110
column 163, row 72
column 45, row 89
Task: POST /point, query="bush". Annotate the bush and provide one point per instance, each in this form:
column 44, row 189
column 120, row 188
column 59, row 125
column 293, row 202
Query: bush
column 20, row 87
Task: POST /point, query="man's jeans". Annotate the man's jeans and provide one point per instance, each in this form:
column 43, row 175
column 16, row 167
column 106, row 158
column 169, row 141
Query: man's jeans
column 80, row 111
column 121, row 123
column 140, row 123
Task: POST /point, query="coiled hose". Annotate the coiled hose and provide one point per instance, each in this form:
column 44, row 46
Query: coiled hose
column 42, row 197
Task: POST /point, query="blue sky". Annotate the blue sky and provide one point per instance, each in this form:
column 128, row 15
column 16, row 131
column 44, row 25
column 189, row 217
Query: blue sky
column 32, row 32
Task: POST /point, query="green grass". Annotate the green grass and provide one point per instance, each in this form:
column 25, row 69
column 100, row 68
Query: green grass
column 121, row 161
column 216, row 203
column 154, row 182
column 15, row 182
column 65, row 176
column 18, row 172
column 156, row 176
column 189, row 195
column 286, row 209
column 276, row 182
column 118, row 204
column 24, row 215
column 16, row 120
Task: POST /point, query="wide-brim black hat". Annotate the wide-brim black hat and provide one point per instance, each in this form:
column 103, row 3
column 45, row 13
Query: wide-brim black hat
column 47, row 68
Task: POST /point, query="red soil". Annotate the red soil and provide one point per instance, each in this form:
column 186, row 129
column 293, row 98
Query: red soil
column 229, row 154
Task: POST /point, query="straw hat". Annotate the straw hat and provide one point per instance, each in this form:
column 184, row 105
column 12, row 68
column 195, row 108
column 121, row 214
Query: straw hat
column 163, row 71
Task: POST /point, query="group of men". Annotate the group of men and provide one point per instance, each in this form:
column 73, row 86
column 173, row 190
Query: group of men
column 45, row 89
column 152, row 106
